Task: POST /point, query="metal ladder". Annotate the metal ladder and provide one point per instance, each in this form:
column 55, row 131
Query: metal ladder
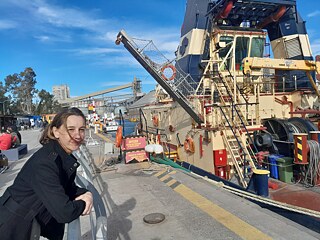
column 233, row 122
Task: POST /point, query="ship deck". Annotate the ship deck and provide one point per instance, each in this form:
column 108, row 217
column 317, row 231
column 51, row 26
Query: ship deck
column 297, row 195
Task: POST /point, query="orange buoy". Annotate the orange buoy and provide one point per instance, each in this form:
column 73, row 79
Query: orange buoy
column 189, row 145
column 119, row 136
column 173, row 69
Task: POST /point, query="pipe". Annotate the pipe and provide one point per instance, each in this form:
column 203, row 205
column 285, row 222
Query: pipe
column 273, row 18
column 167, row 161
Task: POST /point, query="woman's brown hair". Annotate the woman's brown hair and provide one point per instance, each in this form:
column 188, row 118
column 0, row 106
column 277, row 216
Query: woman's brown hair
column 59, row 120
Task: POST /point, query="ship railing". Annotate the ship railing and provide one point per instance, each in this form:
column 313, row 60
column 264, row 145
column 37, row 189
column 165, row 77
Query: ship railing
column 178, row 85
column 156, row 60
column 97, row 217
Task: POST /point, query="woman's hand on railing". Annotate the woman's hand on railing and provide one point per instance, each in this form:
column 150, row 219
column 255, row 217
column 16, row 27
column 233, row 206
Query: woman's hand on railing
column 88, row 199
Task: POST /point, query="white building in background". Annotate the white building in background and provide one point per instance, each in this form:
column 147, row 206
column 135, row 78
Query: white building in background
column 61, row 92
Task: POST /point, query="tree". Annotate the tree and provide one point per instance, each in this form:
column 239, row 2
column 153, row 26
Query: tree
column 47, row 104
column 21, row 89
column 3, row 99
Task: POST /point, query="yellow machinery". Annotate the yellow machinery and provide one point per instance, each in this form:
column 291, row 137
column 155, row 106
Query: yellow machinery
column 251, row 64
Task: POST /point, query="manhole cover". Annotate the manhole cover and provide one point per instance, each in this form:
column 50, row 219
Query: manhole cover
column 154, row 218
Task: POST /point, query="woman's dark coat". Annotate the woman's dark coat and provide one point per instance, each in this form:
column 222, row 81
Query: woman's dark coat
column 44, row 189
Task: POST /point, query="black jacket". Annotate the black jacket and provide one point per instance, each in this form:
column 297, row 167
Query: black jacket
column 44, row 189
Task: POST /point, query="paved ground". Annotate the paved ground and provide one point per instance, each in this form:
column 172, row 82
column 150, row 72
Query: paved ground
column 193, row 207
column 31, row 138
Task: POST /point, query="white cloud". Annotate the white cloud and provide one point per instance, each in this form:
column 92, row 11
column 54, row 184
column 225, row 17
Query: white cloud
column 4, row 24
column 69, row 18
column 113, row 83
column 148, row 82
column 127, row 61
column 108, row 36
column 53, row 38
column 315, row 46
column 91, row 51
column 43, row 38
column 314, row 14
column 45, row 12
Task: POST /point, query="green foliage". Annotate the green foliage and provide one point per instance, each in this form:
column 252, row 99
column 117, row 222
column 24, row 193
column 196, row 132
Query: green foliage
column 21, row 91
column 47, row 104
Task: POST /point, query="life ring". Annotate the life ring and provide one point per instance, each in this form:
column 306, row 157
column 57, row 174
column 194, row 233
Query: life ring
column 119, row 136
column 155, row 120
column 189, row 145
column 173, row 69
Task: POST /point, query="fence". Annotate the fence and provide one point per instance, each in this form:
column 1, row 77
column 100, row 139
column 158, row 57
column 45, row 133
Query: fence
column 98, row 217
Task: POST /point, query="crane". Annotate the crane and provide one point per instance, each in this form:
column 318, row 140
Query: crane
column 251, row 64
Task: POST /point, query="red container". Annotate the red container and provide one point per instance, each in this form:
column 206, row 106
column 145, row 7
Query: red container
column 221, row 172
column 220, row 158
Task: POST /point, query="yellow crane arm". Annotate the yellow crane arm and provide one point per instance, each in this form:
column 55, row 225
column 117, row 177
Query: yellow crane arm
column 253, row 63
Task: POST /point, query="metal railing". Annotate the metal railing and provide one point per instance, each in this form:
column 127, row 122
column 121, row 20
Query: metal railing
column 97, row 217
column 180, row 88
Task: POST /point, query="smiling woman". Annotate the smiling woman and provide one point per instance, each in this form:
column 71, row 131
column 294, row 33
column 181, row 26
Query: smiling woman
column 44, row 195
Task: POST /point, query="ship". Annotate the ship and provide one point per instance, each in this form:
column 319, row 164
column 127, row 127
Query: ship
column 241, row 97
column 110, row 124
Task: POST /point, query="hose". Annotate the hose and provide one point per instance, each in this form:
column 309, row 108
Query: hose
column 167, row 161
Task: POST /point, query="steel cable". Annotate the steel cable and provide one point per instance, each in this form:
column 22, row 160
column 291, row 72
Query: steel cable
column 313, row 168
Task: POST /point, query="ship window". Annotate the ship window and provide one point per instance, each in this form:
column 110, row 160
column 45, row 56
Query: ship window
column 257, row 47
column 224, row 51
column 241, row 51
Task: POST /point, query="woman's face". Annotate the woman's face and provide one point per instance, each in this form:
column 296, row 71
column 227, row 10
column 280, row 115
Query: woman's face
column 70, row 138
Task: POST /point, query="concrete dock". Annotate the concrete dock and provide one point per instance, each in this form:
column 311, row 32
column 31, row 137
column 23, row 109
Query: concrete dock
column 151, row 201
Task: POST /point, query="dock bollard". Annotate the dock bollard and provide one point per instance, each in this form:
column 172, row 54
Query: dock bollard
column 259, row 182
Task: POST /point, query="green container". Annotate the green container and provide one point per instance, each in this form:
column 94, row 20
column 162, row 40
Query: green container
column 285, row 169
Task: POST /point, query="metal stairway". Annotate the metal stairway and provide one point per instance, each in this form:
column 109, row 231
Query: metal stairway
column 180, row 88
column 233, row 126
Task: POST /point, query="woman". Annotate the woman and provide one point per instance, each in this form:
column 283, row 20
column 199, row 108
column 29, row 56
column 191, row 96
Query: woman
column 44, row 196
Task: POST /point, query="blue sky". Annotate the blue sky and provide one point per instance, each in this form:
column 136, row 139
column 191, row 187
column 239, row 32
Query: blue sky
column 72, row 41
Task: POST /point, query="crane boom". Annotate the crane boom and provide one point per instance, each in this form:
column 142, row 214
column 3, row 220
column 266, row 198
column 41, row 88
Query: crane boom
column 251, row 64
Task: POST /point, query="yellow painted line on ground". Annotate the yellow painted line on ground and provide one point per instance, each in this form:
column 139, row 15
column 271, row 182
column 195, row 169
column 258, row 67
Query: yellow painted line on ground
column 103, row 137
column 171, row 182
column 161, row 172
column 230, row 221
column 164, row 177
column 173, row 172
